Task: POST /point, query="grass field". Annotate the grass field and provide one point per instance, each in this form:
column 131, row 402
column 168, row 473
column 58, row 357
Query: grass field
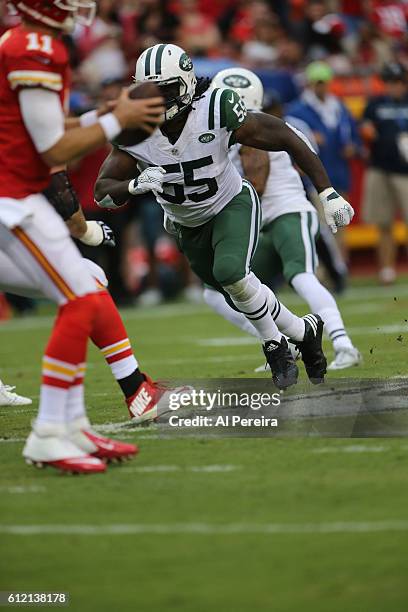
column 282, row 524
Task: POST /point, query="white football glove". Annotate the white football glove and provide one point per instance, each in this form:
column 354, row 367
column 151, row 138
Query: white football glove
column 337, row 211
column 150, row 179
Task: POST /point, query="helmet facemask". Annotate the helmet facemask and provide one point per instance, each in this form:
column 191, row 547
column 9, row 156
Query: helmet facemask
column 176, row 96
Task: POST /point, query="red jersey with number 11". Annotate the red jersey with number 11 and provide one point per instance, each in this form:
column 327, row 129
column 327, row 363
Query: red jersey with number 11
column 27, row 59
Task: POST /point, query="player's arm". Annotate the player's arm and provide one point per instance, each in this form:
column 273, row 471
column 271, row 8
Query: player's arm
column 119, row 180
column 269, row 133
column 255, row 164
column 61, row 194
column 58, row 146
column 88, row 118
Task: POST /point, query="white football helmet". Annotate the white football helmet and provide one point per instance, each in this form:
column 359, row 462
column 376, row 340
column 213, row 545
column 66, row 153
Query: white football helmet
column 172, row 70
column 245, row 82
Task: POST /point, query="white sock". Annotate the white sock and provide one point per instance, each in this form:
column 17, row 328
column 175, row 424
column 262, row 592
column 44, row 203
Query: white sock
column 120, row 358
column 76, row 402
column 217, row 302
column 53, row 402
column 250, row 298
column 287, row 322
column 322, row 302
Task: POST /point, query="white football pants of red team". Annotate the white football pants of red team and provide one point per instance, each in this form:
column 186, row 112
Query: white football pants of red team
column 37, row 253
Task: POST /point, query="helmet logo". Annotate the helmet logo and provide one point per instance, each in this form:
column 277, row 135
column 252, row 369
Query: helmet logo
column 204, row 138
column 185, row 63
column 236, row 81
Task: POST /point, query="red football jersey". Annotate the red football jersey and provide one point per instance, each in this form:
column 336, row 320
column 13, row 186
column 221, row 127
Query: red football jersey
column 27, row 59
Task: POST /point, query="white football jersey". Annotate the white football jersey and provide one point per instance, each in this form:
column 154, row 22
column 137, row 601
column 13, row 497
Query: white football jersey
column 284, row 192
column 200, row 178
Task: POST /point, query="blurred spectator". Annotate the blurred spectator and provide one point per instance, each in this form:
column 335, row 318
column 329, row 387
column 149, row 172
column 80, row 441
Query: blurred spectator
column 371, row 50
column 198, row 34
column 321, row 32
column 155, row 23
column 385, row 129
column 333, row 127
column 261, row 49
column 390, row 16
column 99, row 46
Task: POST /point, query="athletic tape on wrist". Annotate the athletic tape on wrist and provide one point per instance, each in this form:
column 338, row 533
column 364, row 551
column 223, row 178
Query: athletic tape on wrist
column 89, row 118
column 110, row 125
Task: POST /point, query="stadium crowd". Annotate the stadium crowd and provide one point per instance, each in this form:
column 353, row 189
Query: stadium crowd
column 322, row 61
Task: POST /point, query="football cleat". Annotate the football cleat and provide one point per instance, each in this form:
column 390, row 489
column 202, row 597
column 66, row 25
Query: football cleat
column 48, row 445
column 311, row 349
column 265, row 367
column 346, row 358
column 9, row 398
column 151, row 397
column 283, row 367
column 83, row 436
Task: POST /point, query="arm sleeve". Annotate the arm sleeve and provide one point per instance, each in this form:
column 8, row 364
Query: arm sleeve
column 45, row 127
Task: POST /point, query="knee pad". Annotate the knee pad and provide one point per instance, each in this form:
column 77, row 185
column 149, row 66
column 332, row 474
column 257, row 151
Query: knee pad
column 227, row 269
column 244, row 289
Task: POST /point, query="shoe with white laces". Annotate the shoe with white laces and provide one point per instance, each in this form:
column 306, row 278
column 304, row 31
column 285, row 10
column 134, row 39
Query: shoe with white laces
column 151, row 400
column 346, row 358
column 9, row 398
column 82, row 435
column 49, row 445
column 266, row 367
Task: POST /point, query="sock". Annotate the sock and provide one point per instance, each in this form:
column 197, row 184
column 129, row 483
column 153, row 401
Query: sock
column 288, row 323
column 322, row 302
column 217, row 302
column 110, row 336
column 249, row 297
column 65, row 350
column 76, row 395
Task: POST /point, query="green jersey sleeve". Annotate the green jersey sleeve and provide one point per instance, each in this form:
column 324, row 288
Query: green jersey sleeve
column 233, row 111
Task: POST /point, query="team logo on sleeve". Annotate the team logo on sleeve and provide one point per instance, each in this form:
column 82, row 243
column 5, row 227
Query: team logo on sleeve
column 207, row 137
column 185, row 63
column 236, row 81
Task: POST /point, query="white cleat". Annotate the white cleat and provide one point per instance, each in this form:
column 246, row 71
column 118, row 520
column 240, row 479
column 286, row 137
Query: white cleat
column 8, row 398
column 346, row 358
column 48, row 445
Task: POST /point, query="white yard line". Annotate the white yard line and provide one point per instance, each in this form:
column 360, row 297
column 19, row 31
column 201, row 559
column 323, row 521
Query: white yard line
column 211, row 529
column 220, row 341
column 353, row 448
column 23, row 489
column 205, row 469
column 11, row 440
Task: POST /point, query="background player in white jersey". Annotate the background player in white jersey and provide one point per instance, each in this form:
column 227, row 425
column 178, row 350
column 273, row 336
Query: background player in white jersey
column 214, row 213
column 289, row 227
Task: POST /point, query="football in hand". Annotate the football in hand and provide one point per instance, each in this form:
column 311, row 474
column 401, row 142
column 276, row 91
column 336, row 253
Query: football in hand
column 131, row 137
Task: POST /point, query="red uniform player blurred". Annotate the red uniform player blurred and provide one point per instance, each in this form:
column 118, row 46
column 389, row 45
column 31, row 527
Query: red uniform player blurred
column 34, row 240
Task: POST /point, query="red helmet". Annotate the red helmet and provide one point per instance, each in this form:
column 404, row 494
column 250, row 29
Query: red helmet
column 59, row 14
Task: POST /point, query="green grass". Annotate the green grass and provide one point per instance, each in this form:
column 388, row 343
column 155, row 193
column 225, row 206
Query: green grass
column 287, row 485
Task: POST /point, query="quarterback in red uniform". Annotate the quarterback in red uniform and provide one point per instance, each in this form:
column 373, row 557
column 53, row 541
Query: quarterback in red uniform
column 34, row 138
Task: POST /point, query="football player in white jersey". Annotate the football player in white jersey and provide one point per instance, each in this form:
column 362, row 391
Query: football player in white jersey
column 214, row 213
column 289, row 227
